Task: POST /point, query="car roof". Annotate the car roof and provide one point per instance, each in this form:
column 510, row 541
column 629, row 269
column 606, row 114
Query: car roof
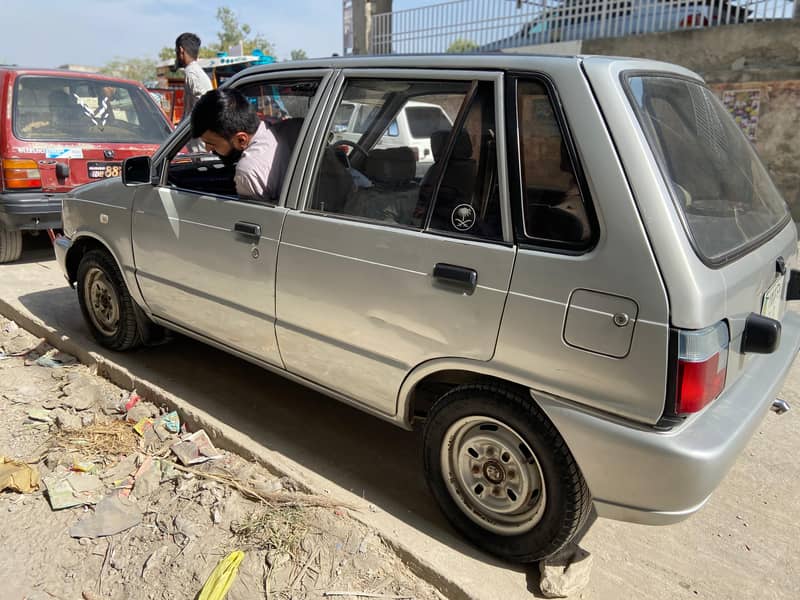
column 65, row 73
column 486, row 60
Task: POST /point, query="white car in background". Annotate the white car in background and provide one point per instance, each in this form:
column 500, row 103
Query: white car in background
column 411, row 128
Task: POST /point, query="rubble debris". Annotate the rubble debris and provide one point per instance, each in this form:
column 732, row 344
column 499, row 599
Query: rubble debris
column 17, row 476
column 565, row 573
column 112, row 515
column 66, row 489
column 195, row 448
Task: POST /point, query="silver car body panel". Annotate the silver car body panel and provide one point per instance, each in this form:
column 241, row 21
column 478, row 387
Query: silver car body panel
column 359, row 317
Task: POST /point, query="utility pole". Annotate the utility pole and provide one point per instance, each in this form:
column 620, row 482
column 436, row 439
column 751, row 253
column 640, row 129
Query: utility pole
column 363, row 11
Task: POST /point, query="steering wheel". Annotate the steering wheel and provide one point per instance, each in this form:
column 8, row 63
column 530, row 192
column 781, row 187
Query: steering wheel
column 353, row 145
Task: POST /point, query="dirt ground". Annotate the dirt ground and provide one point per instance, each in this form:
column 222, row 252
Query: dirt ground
column 178, row 522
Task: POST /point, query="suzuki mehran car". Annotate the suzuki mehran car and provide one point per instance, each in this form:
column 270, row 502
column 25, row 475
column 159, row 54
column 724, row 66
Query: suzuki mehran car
column 60, row 129
column 582, row 299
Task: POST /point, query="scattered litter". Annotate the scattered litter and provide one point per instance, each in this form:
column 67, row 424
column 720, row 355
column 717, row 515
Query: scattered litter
column 147, row 478
column 171, row 422
column 18, row 477
column 132, row 401
column 112, row 515
column 142, row 425
column 221, row 578
column 140, row 411
column 41, row 415
column 195, row 448
column 84, row 466
column 55, row 359
column 66, row 489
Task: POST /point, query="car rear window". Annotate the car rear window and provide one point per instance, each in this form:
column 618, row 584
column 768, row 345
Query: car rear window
column 721, row 187
column 423, row 121
column 68, row 109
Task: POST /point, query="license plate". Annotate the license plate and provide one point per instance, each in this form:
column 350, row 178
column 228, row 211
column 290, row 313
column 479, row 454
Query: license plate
column 771, row 303
column 101, row 170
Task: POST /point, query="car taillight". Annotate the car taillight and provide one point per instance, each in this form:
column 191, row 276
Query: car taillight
column 702, row 367
column 19, row 174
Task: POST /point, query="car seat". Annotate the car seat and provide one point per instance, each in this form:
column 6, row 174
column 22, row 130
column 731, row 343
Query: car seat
column 286, row 133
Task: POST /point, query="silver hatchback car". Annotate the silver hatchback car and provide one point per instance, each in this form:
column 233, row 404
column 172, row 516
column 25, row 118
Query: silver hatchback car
column 582, row 297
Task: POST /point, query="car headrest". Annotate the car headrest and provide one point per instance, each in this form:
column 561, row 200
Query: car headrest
column 287, row 130
column 391, row 165
column 461, row 151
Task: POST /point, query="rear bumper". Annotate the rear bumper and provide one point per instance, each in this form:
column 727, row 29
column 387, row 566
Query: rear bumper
column 639, row 475
column 30, row 210
column 61, row 245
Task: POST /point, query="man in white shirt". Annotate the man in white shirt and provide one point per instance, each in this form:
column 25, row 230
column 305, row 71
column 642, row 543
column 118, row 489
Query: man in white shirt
column 196, row 82
column 229, row 126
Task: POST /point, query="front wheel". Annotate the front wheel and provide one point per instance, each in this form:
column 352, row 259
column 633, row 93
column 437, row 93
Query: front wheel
column 502, row 474
column 105, row 302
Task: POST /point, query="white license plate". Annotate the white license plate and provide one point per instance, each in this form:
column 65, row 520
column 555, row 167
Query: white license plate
column 771, row 304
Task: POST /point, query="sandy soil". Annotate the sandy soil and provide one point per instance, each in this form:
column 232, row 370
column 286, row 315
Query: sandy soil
column 60, row 416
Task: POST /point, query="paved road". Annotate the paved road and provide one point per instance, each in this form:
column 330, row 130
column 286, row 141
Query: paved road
column 742, row 545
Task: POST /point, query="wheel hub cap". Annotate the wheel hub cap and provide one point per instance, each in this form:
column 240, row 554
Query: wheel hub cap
column 493, row 475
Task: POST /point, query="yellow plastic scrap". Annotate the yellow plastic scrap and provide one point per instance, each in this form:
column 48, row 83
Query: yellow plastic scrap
column 17, row 476
column 221, row 578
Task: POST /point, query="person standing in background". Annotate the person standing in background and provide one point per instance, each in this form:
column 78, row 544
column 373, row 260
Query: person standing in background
column 197, row 83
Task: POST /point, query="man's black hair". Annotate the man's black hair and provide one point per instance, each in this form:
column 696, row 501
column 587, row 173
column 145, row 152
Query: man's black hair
column 190, row 43
column 224, row 112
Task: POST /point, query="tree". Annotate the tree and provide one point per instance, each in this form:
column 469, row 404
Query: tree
column 231, row 33
column 460, row 45
column 299, row 55
column 138, row 69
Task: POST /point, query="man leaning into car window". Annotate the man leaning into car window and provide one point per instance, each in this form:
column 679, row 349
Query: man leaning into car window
column 231, row 129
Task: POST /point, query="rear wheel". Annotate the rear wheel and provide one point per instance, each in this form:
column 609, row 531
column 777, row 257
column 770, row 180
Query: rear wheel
column 502, row 474
column 105, row 302
column 10, row 244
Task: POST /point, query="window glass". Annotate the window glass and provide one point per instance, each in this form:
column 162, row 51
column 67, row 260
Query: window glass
column 282, row 106
column 85, row 110
column 424, row 120
column 468, row 199
column 721, row 186
column 552, row 206
column 376, row 171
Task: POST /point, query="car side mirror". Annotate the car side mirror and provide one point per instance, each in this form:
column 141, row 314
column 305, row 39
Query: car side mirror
column 136, row 170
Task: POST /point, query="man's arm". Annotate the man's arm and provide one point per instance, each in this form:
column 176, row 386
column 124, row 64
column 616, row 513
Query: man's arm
column 248, row 186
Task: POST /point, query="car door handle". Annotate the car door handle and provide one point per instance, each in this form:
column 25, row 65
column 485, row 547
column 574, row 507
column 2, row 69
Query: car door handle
column 251, row 230
column 462, row 276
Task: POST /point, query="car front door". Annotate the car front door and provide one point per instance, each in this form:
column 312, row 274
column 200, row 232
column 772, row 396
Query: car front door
column 381, row 270
column 205, row 259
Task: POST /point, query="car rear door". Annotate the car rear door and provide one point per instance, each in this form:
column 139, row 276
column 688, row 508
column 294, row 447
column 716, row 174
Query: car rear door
column 376, row 272
column 205, row 259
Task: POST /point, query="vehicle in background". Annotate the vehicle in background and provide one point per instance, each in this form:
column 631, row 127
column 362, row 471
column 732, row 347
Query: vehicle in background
column 587, row 19
column 61, row 129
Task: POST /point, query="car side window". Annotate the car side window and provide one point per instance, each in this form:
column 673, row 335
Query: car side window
column 367, row 173
column 553, row 207
column 282, row 106
column 467, row 195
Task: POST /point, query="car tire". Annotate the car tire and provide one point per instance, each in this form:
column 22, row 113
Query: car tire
column 502, row 474
column 105, row 302
column 10, row 244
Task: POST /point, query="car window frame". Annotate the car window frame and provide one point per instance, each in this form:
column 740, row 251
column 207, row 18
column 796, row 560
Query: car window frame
column 182, row 134
column 312, row 164
column 514, row 155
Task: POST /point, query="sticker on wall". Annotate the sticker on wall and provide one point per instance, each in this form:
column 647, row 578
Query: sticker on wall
column 744, row 106
column 64, row 153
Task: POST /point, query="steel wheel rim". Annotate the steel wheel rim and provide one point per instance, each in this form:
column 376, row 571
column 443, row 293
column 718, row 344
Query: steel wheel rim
column 102, row 301
column 493, row 475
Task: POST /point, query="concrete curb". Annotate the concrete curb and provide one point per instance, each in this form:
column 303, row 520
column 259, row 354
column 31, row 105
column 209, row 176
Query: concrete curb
column 228, row 438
